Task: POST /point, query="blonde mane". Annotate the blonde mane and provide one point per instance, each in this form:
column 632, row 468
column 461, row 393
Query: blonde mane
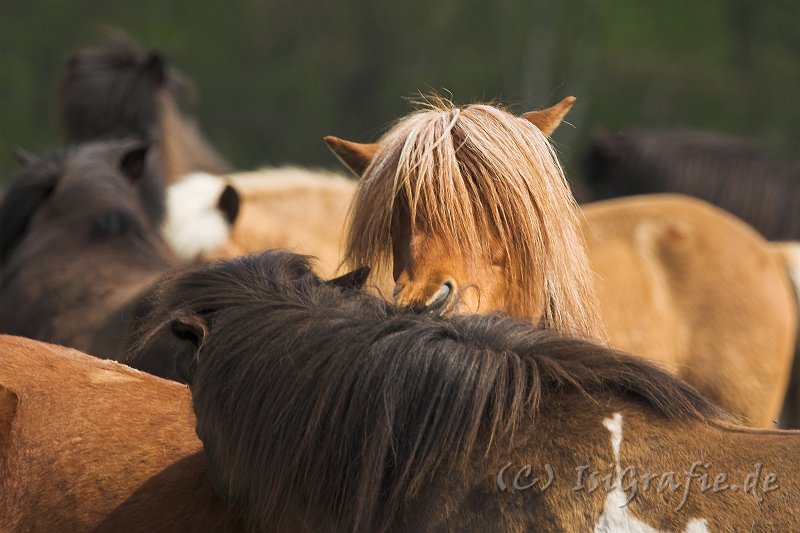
column 477, row 172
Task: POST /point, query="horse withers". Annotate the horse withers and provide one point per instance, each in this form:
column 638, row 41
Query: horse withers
column 468, row 209
column 318, row 403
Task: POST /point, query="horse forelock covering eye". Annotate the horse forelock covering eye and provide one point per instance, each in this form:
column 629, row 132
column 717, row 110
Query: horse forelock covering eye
column 471, row 209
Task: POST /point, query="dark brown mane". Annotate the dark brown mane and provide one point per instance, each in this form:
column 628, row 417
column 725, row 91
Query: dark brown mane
column 79, row 239
column 351, row 404
column 115, row 90
column 95, row 195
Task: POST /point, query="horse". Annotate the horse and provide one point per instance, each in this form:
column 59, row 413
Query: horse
column 80, row 244
column 470, row 209
column 93, row 445
column 293, row 208
column 117, row 91
column 728, row 172
column 319, row 403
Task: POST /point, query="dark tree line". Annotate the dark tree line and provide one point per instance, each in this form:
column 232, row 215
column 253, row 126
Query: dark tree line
column 274, row 76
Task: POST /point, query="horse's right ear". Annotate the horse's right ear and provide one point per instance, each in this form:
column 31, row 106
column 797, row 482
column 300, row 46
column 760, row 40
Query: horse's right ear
column 355, row 156
column 192, row 332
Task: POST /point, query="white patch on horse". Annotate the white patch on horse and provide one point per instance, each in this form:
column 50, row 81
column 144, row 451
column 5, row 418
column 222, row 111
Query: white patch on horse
column 616, row 517
column 194, row 225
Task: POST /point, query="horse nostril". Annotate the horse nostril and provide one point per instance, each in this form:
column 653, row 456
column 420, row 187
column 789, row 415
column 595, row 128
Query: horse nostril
column 437, row 301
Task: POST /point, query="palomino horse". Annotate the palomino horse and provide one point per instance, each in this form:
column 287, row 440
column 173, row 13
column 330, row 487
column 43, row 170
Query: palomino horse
column 117, row 91
column 79, row 244
column 471, row 209
column 91, row 445
column 323, row 404
column 293, row 208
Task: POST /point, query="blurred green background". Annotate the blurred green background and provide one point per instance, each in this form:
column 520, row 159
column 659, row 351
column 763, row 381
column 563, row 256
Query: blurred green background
column 274, row 76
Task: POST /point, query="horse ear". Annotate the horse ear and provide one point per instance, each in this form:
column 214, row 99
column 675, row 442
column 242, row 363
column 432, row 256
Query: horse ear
column 355, row 156
column 154, row 67
column 192, row 331
column 548, row 119
column 134, row 161
column 23, row 156
column 229, row 202
column 354, row 279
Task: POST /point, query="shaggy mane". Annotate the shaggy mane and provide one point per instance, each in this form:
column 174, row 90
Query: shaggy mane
column 336, row 406
column 476, row 174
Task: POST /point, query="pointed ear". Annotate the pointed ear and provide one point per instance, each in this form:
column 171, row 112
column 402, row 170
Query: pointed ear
column 355, row 156
column 134, row 161
column 548, row 119
column 155, row 67
column 170, row 351
column 229, row 203
column 354, row 279
column 23, row 156
column 192, row 332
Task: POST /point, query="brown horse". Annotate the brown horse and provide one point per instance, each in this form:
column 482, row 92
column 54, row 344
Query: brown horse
column 91, row 445
column 79, row 245
column 471, row 210
column 293, row 208
column 319, row 403
column 117, row 91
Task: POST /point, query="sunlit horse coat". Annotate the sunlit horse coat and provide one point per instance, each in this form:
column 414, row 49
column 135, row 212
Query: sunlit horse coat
column 470, row 210
column 320, row 404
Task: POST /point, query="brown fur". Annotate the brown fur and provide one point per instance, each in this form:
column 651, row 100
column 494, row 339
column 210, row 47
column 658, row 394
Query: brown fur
column 79, row 244
column 403, row 422
column 96, row 446
column 116, row 91
column 678, row 280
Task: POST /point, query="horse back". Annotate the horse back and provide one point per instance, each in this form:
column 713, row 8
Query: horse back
column 95, row 444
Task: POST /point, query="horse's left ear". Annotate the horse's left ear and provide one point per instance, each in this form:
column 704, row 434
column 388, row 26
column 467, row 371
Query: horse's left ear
column 548, row 119
column 134, row 161
column 192, row 332
column 355, row 156
column 354, row 279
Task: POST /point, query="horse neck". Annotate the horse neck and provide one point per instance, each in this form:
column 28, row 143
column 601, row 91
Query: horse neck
column 184, row 149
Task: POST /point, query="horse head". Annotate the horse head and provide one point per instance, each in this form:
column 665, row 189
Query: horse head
column 471, row 209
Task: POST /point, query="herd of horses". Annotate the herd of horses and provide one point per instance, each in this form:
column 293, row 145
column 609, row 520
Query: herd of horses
column 470, row 351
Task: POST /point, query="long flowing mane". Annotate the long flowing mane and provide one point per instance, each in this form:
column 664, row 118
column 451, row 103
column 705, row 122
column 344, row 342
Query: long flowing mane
column 476, row 172
column 352, row 404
